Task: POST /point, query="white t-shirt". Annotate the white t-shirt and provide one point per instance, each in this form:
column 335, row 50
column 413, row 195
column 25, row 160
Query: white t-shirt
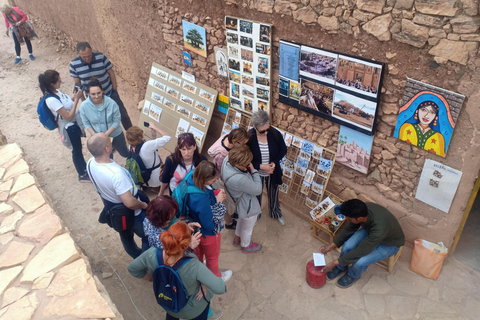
column 179, row 174
column 65, row 102
column 264, row 151
column 111, row 180
column 149, row 153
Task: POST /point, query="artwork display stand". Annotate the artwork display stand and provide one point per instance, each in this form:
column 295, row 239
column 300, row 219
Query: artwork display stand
column 316, row 227
column 177, row 105
column 236, row 119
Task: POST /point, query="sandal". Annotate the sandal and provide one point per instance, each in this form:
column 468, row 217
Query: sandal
column 231, row 226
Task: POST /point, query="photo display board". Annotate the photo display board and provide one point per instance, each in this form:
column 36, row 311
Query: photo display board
column 177, row 104
column 335, row 86
column 249, row 64
column 236, row 119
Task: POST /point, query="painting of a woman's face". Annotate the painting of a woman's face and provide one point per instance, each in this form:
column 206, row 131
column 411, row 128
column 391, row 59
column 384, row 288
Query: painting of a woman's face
column 426, row 115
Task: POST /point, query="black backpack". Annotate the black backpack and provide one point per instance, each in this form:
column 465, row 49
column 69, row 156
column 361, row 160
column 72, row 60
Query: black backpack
column 134, row 164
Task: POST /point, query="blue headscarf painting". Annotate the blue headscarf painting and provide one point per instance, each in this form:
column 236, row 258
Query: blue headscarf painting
column 426, row 121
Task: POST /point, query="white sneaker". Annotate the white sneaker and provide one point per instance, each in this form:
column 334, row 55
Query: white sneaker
column 226, row 275
column 281, row 220
column 216, row 314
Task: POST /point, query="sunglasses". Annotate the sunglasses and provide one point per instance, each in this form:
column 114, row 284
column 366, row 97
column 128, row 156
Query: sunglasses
column 262, row 131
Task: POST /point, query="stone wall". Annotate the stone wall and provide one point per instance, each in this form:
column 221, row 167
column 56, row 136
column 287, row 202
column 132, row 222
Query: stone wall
column 435, row 41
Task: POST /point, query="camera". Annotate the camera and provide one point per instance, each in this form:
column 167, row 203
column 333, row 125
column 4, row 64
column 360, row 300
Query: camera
column 195, row 230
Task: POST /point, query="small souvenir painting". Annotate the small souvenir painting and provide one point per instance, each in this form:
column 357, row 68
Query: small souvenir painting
column 187, row 86
column 194, row 38
column 227, row 127
column 264, row 33
column 182, row 127
column 154, row 112
column 184, row 112
column 247, row 80
column 309, row 176
column 308, row 147
column 221, row 60
column 248, row 105
column 283, row 188
column 288, row 164
column 174, row 80
column 146, row 107
column 200, row 106
column 174, row 93
column 246, row 26
column 317, row 152
column 247, row 55
column 232, row 51
column 295, row 90
column 234, row 64
column 247, row 68
column 317, row 188
column 310, row 203
column 234, row 76
column 305, row 187
column 238, row 117
column 197, row 134
column 187, row 59
column 262, row 48
column 305, row 155
column 301, row 166
column 231, row 23
column 232, row 38
column 263, row 94
column 287, row 173
column 288, row 139
column 207, row 95
column 354, row 149
column 263, row 66
column 297, row 142
column 169, row 104
column 263, row 81
column 199, row 120
column 324, row 167
column 234, row 103
column 246, row 41
column 262, row 105
column 284, row 87
column 234, row 90
column 247, row 92
column 187, row 100
column 160, row 86
column 157, row 97
column 162, row 74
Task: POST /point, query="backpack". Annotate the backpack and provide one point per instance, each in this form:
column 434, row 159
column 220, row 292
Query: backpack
column 139, row 172
column 167, row 285
column 162, row 166
column 45, row 115
column 181, row 193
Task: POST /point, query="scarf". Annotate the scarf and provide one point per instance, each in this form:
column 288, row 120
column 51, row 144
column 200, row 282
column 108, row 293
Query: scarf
column 24, row 30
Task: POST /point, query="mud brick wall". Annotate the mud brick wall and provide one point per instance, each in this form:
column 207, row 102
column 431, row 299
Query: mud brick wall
column 434, row 41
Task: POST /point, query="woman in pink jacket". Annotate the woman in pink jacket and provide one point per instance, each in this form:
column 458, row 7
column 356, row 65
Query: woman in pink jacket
column 22, row 32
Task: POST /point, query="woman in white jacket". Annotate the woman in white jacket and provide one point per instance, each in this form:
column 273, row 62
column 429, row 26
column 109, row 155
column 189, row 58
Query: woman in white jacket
column 244, row 184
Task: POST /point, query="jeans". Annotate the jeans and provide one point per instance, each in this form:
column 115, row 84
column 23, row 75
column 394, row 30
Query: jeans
column 74, row 134
column 201, row 316
column 18, row 49
column 210, row 247
column 127, row 237
column 126, row 122
column 379, row 253
column 120, row 145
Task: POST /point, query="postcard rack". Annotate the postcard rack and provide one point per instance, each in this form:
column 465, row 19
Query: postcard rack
column 316, row 227
column 236, row 119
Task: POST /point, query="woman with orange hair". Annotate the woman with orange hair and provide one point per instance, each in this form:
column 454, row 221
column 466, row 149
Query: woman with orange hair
column 193, row 273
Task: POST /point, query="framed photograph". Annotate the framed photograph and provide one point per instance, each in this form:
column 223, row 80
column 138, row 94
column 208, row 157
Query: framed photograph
column 247, row 67
column 232, row 38
column 318, row 64
column 155, row 112
column 234, row 64
column 169, row 104
column 364, row 80
column 354, row 110
column 246, row 41
column 247, row 80
column 262, row 48
column 247, row 55
column 317, row 97
column 207, row 95
column 199, row 120
column 234, row 76
column 194, row 38
column 247, row 92
column 183, row 111
column 248, row 105
column 234, row 90
column 174, row 80
column 233, row 51
column 263, row 94
column 264, row 35
column 263, row 81
column 246, row 26
column 174, row 93
column 187, row 86
column 231, row 23
column 201, row 107
column 234, row 103
column 187, row 100
column 157, row 97
column 263, row 67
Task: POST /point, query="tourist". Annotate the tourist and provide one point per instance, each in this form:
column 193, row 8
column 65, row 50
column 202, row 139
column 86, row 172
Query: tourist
column 244, row 185
column 148, row 150
column 101, row 114
column 372, row 233
column 65, row 110
column 90, row 64
column 22, row 31
column 268, row 148
column 193, row 274
column 185, row 158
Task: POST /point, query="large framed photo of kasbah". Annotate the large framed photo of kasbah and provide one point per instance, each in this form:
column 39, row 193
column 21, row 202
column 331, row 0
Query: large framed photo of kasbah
column 338, row 87
column 177, row 103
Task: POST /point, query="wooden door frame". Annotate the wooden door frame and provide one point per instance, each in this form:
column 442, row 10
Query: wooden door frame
column 466, row 213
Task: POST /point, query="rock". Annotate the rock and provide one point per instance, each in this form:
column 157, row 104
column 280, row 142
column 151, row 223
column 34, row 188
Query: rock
column 23, row 181
column 6, row 186
column 453, row 36
column 437, row 33
column 13, row 294
column 390, row 55
column 2, row 172
column 59, row 251
column 18, row 168
column 375, row 175
column 412, row 34
column 437, row 7
column 262, row 5
column 377, row 285
column 470, row 37
column 10, row 222
column 16, row 253
column 374, row 304
column 464, row 24
column 387, row 155
column 328, row 23
column 29, row 199
column 306, row 15
column 348, row 194
column 106, row 275
column 5, row 209
column 43, row 281
column 455, row 51
column 9, row 152
column 400, row 307
column 74, row 294
column 6, row 238
column 140, row 104
column 375, row 6
column 409, row 282
column 23, row 309
column 404, row 4
column 7, row 276
column 379, row 27
column 470, row 7
column 429, row 21
column 360, row 15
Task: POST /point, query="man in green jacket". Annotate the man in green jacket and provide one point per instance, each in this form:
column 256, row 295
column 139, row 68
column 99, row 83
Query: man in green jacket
column 372, row 233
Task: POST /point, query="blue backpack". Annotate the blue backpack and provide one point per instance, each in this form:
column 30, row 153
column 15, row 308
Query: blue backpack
column 45, row 115
column 181, row 193
column 167, row 285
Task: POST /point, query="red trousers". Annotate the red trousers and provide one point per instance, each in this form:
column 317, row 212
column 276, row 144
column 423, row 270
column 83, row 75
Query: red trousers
column 210, row 247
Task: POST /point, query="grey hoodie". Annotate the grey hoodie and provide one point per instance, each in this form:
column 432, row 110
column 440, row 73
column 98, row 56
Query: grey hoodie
column 243, row 182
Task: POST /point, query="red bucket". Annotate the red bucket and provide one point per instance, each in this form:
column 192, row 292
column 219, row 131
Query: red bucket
column 315, row 278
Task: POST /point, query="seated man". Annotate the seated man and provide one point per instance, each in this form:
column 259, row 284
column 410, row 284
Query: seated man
column 372, row 233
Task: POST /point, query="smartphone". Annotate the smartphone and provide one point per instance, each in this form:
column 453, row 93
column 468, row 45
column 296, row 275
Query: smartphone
column 195, row 230
column 146, row 124
column 77, row 87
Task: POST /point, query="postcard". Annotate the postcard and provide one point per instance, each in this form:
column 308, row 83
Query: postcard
column 309, row 176
column 248, row 105
column 182, row 127
column 263, row 94
column 317, row 188
column 246, row 26
column 234, row 103
column 263, row 81
column 200, row 106
column 155, row 112
column 262, row 105
column 146, row 107
column 238, row 117
column 247, row 55
column 262, row 48
column 305, row 155
column 189, row 87
column 188, row 76
column 156, row 84
column 174, row 80
column 187, row 100
column 297, row 142
column 288, row 164
column 307, row 147
column 305, row 187
column 157, row 97
column 324, row 167
column 284, row 87
column 207, row 95
column 174, row 93
column 232, row 51
column 246, row 91
column 162, row 74
column 231, row 23
column 246, row 41
column 184, row 112
column 227, row 127
column 234, row 90
column 287, row 173
column 232, row 38
column 234, row 76
column 283, row 188
column 263, row 65
column 169, row 104
column 247, row 80
column 199, row 120
column 197, row 134
column 247, row 68
column 288, row 139
column 310, row 203
column 317, row 152
column 264, row 33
